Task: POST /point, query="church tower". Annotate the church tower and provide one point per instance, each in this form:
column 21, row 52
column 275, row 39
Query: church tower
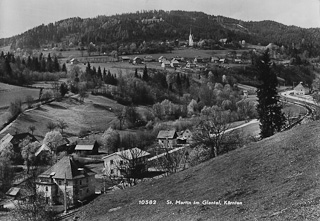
column 190, row 39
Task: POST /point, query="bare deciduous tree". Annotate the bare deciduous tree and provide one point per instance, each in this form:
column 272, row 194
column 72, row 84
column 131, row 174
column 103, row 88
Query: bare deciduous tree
column 32, row 206
column 62, row 125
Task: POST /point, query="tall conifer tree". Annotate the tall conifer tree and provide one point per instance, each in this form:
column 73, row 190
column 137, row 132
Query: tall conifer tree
column 269, row 108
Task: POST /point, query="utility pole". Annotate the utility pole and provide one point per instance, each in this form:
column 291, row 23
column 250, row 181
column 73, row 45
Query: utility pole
column 65, row 193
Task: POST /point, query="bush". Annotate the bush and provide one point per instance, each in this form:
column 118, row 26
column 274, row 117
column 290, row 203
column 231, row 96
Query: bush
column 29, row 100
column 199, row 155
column 15, row 108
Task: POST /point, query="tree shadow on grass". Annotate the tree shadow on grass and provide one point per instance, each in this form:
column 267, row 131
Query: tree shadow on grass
column 28, row 118
column 57, row 106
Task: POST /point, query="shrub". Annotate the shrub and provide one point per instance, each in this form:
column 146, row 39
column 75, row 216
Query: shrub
column 15, row 108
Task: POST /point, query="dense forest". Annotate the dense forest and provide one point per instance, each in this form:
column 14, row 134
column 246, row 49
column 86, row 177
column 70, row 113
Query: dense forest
column 150, row 26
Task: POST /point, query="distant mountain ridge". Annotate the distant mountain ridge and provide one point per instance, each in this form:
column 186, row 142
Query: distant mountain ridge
column 161, row 25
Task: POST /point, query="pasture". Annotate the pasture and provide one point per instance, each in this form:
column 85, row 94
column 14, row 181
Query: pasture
column 93, row 115
column 9, row 93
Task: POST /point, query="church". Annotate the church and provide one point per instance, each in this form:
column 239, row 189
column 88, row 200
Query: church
column 190, row 39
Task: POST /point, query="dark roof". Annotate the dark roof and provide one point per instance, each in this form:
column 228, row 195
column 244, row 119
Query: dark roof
column 163, row 134
column 67, row 168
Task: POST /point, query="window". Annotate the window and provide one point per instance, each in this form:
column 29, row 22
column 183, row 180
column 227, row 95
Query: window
column 46, row 188
column 111, row 162
column 121, row 162
column 59, row 182
column 111, row 171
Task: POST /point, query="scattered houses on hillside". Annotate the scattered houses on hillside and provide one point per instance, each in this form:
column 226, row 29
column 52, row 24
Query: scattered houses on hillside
column 68, row 177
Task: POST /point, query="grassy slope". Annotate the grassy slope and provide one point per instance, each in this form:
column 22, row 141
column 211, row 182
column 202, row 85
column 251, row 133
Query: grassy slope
column 275, row 179
column 8, row 94
column 91, row 115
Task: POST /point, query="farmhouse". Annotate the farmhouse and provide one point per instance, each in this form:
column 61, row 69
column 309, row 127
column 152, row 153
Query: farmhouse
column 66, row 176
column 299, row 89
column 184, row 137
column 74, row 61
column 137, row 60
column 125, row 163
column 87, row 149
column 16, row 139
column 167, row 138
column 166, row 63
column 148, row 58
column 190, row 65
column 223, row 60
column 174, row 63
column 125, row 58
column 215, row 59
column 161, row 59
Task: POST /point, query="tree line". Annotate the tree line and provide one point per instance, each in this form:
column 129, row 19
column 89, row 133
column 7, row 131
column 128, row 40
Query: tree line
column 20, row 71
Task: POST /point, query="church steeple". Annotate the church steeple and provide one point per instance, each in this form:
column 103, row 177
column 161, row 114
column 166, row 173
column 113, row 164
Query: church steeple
column 190, row 39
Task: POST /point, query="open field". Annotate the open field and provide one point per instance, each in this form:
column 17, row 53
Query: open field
column 93, row 114
column 8, row 93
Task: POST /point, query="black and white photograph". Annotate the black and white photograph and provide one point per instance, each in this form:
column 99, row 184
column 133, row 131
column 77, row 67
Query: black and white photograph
column 152, row 110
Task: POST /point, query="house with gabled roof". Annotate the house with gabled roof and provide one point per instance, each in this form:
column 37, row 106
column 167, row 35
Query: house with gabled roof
column 125, row 163
column 67, row 176
column 167, row 138
column 184, row 136
column 299, row 89
column 87, row 149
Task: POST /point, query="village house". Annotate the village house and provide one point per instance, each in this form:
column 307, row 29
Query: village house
column 87, row 149
column 66, row 176
column 167, row 138
column 198, row 60
column 184, row 137
column 161, row 59
column 165, row 64
column 137, row 60
column 215, row 59
column 174, row 63
column 148, row 58
column 125, row 163
column 299, row 89
column 74, row 61
column 190, row 65
column 16, row 139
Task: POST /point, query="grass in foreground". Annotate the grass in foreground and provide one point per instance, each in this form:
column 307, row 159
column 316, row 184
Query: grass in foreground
column 275, row 179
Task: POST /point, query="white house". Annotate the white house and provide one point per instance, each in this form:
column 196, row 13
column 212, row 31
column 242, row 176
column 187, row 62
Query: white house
column 68, row 177
column 165, row 64
column 125, row 163
column 174, row 63
column 299, row 89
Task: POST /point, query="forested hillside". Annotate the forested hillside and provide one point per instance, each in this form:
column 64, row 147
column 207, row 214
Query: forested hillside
column 110, row 31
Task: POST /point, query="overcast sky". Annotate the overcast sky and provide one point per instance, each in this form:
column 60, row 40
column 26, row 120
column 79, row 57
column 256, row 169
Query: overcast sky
column 17, row 16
